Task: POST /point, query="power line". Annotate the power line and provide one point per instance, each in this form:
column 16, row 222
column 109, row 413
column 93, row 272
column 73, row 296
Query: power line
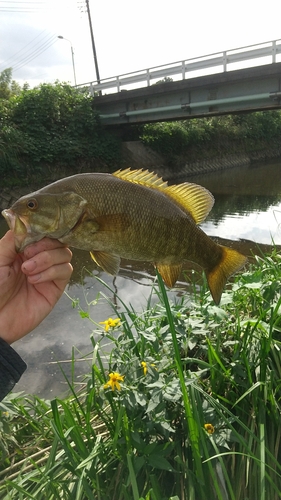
column 22, row 3
column 35, row 53
column 36, row 46
column 21, row 6
column 24, row 49
column 12, row 11
column 28, row 56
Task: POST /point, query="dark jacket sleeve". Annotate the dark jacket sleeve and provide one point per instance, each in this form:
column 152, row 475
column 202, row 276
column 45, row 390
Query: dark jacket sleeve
column 11, row 368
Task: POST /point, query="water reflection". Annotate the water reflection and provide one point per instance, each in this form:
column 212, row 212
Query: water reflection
column 258, row 226
column 64, row 328
column 247, row 203
column 247, row 210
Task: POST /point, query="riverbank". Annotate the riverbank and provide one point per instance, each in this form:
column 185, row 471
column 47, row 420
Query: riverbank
column 44, row 149
column 136, row 155
column 195, row 370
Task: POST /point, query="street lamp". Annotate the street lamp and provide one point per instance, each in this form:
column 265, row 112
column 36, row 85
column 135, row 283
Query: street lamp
column 72, row 55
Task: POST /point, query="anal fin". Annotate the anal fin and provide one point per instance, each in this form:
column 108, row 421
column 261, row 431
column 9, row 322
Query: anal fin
column 110, row 263
column 169, row 272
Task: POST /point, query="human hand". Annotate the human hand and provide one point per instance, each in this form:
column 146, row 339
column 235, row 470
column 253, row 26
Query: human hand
column 30, row 284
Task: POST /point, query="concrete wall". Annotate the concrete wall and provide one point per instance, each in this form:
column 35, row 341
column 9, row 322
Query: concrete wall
column 9, row 196
column 136, row 155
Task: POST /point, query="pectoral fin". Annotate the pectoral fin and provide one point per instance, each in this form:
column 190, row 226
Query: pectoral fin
column 108, row 262
column 169, row 272
column 112, row 222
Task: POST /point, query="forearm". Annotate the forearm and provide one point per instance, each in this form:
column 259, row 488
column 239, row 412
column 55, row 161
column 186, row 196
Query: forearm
column 11, row 368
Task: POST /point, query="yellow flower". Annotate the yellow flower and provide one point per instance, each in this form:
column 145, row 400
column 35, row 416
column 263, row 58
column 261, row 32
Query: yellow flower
column 144, row 365
column 209, row 428
column 110, row 323
column 114, row 379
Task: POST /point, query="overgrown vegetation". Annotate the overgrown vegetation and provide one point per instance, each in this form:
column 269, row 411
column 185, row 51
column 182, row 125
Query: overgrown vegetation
column 208, row 137
column 184, row 405
column 50, row 129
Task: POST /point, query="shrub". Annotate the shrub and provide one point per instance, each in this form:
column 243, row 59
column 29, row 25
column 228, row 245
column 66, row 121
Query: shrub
column 59, row 129
column 215, row 135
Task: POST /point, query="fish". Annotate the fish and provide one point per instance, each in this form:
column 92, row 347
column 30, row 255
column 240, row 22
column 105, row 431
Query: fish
column 130, row 214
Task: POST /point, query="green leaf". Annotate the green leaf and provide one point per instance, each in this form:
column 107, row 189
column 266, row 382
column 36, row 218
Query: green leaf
column 159, row 462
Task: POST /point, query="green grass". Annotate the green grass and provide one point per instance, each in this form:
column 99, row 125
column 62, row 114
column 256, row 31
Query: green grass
column 207, row 368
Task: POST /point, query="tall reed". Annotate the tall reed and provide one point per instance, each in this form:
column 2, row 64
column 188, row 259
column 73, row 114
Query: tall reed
column 182, row 403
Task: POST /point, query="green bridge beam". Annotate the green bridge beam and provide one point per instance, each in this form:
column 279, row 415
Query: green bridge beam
column 244, row 90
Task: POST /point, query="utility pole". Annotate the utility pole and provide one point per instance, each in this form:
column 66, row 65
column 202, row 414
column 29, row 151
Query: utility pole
column 93, row 42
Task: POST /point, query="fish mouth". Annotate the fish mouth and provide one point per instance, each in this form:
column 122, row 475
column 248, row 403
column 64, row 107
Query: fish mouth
column 20, row 228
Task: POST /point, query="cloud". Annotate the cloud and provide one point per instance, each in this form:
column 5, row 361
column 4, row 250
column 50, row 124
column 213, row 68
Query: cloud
column 128, row 36
column 29, row 43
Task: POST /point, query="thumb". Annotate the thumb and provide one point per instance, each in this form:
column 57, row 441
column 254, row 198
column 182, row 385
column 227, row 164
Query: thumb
column 8, row 252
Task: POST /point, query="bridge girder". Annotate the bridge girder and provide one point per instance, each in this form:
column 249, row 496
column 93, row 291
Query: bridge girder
column 245, row 90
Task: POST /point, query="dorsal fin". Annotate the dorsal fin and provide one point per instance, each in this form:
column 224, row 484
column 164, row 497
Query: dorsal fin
column 191, row 198
column 144, row 177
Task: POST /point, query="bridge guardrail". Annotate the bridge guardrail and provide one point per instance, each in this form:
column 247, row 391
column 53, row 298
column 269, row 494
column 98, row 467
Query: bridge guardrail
column 187, row 67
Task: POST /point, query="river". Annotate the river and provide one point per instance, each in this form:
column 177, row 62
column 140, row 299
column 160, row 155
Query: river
column 247, row 211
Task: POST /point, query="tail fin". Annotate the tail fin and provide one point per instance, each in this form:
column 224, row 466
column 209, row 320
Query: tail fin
column 229, row 264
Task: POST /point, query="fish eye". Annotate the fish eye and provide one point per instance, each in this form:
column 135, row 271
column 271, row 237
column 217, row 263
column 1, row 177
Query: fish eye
column 32, row 204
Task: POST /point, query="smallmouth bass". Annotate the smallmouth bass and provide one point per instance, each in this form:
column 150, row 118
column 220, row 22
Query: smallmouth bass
column 130, row 214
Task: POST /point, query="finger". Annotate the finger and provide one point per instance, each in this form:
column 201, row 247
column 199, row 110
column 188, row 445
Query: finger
column 46, row 259
column 57, row 273
column 41, row 246
column 7, row 249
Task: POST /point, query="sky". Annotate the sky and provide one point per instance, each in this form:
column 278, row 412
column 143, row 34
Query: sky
column 129, row 35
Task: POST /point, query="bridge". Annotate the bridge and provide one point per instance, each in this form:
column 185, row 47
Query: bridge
column 210, row 85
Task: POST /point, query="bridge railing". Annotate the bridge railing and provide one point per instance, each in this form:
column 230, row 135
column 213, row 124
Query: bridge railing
column 263, row 53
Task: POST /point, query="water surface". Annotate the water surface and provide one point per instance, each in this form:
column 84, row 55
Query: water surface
column 247, row 212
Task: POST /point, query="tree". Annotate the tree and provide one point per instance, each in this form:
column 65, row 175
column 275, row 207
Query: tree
column 54, row 128
column 166, row 79
column 8, row 87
